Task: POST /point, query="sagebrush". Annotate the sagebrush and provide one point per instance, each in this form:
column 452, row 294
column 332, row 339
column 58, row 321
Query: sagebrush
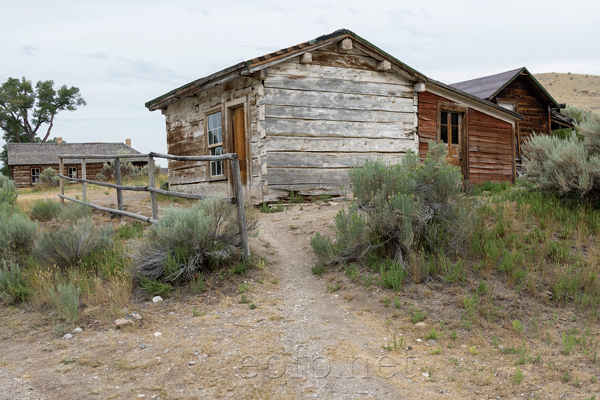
column 71, row 245
column 400, row 209
column 8, row 190
column 187, row 240
column 567, row 163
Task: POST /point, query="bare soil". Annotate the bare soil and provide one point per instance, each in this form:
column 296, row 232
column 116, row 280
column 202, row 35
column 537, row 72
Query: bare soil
column 308, row 337
column 579, row 90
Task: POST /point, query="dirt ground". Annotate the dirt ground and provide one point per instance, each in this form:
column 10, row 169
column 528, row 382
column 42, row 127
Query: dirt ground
column 309, row 337
column 579, row 90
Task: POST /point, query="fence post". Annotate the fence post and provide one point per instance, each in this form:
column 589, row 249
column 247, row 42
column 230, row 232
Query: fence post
column 152, row 184
column 83, row 176
column 239, row 200
column 61, row 167
column 118, row 182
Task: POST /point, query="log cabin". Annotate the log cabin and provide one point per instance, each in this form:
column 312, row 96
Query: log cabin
column 27, row 160
column 301, row 117
column 519, row 91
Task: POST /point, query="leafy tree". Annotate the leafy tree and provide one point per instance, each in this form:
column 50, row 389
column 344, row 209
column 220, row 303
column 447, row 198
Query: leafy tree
column 26, row 110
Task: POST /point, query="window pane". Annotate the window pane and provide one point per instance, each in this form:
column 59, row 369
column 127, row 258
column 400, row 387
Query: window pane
column 444, row 117
column 454, row 117
column 216, row 167
column 455, row 135
column 215, row 134
column 444, row 133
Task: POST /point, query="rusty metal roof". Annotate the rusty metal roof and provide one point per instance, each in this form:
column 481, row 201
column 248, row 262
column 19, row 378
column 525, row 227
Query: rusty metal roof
column 488, row 87
column 47, row 153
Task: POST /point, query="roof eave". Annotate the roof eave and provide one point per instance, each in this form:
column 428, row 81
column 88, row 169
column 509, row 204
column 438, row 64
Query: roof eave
column 247, row 67
column 513, row 116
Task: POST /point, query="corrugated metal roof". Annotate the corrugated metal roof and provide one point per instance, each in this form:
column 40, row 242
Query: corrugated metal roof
column 487, row 87
column 47, row 153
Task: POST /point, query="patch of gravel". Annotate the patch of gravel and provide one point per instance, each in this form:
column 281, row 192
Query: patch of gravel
column 12, row 388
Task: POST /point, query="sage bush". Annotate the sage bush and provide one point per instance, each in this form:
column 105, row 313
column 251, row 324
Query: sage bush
column 399, row 210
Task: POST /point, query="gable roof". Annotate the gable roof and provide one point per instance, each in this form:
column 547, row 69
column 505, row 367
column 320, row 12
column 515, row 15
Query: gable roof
column 488, row 87
column 47, row 153
column 258, row 63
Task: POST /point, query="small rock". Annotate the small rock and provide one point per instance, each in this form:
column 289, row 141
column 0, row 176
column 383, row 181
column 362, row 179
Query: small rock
column 157, row 299
column 123, row 322
column 67, row 336
column 419, row 340
column 76, row 330
column 192, row 362
column 166, row 351
column 134, row 315
column 421, row 324
column 425, row 374
column 157, row 334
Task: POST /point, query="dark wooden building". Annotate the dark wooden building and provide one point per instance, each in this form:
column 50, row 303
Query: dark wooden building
column 301, row 117
column 27, row 160
column 519, row 91
column 479, row 134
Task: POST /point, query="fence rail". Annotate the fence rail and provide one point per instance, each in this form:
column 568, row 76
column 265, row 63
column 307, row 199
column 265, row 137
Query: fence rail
column 234, row 163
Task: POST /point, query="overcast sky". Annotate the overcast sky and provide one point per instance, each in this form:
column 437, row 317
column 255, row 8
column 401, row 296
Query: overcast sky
column 124, row 53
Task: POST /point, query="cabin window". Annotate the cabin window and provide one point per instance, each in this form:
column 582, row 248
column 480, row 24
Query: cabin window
column 508, row 105
column 35, row 175
column 450, row 127
column 215, row 142
column 72, row 172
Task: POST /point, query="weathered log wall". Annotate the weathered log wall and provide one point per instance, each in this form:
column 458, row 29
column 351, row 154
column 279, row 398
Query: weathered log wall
column 22, row 173
column 322, row 118
column 530, row 106
column 186, row 136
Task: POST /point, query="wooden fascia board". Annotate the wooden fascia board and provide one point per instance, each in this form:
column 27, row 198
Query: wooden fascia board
column 476, row 105
column 284, row 57
column 176, row 94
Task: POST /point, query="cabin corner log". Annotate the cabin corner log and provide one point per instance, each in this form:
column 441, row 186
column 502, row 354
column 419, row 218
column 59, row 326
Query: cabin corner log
column 111, row 210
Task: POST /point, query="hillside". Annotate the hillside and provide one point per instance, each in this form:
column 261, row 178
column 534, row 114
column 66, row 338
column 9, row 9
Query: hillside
column 582, row 91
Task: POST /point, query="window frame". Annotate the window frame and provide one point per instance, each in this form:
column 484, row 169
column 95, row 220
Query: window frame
column 452, row 108
column 32, row 175
column 69, row 169
column 222, row 144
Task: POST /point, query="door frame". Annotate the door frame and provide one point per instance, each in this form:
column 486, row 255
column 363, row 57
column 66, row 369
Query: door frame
column 230, row 106
column 463, row 135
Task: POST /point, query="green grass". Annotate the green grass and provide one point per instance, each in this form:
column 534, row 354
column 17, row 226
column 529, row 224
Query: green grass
column 519, row 228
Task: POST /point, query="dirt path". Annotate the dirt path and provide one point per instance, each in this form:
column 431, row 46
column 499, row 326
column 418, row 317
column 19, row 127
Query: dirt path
column 322, row 335
column 305, row 337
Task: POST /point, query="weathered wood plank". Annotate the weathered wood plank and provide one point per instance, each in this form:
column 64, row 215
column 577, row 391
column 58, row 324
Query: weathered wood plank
column 286, row 143
column 313, row 176
column 329, row 114
column 327, row 72
column 326, row 160
column 337, row 85
column 310, row 128
column 285, row 97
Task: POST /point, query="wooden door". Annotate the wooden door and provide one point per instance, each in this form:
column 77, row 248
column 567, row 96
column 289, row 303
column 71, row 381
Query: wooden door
column 451, row 133
column 238, row 130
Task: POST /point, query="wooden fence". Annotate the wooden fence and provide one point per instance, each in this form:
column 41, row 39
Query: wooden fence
column 234, row 163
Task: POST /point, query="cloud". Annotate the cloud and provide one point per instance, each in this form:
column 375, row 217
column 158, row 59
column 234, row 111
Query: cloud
column 29, row 50
column 197, row 10
column 99, row 55
column 127, row 71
